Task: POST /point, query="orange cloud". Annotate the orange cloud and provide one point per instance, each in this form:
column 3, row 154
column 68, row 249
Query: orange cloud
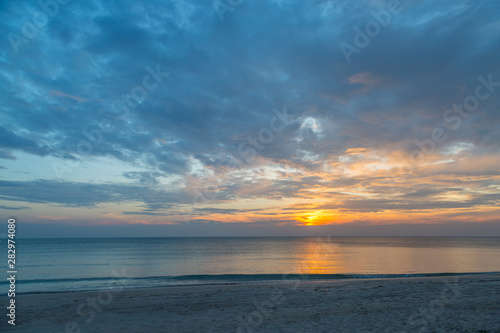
column 366, row 78
column 63, row 94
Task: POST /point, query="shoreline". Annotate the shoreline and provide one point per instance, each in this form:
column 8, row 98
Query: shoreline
column 464, row 303
column 316, row 278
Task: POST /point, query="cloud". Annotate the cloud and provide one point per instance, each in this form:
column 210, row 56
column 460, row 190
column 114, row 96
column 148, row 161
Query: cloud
column 367, row 79
column 10, row 140
column 63, row 94
column 210, row 126
column 86, row 195
column 13, row 208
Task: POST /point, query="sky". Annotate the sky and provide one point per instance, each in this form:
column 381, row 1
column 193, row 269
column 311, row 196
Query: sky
column 250, row 118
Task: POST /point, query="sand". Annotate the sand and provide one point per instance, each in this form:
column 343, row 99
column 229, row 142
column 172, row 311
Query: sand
column 468, row 303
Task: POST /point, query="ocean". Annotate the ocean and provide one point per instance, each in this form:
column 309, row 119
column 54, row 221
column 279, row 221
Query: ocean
column 61, row 265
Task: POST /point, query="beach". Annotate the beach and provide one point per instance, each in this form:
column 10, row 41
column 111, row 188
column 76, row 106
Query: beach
column 463, row 303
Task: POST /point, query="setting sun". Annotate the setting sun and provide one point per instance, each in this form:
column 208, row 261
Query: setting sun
column 315, row 218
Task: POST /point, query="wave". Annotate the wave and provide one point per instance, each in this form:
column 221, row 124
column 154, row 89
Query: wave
column 109, row 283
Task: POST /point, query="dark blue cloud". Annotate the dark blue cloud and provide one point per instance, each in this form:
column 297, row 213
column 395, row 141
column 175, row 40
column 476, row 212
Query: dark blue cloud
column 225, row 77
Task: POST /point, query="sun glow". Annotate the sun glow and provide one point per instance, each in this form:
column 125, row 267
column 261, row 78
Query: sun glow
column 315, row 218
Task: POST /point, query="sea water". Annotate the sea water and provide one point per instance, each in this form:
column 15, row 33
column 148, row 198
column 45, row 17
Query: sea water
column 60, row 265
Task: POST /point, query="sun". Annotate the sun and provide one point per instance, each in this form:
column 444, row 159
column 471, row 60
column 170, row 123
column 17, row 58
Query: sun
column 314, row 218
